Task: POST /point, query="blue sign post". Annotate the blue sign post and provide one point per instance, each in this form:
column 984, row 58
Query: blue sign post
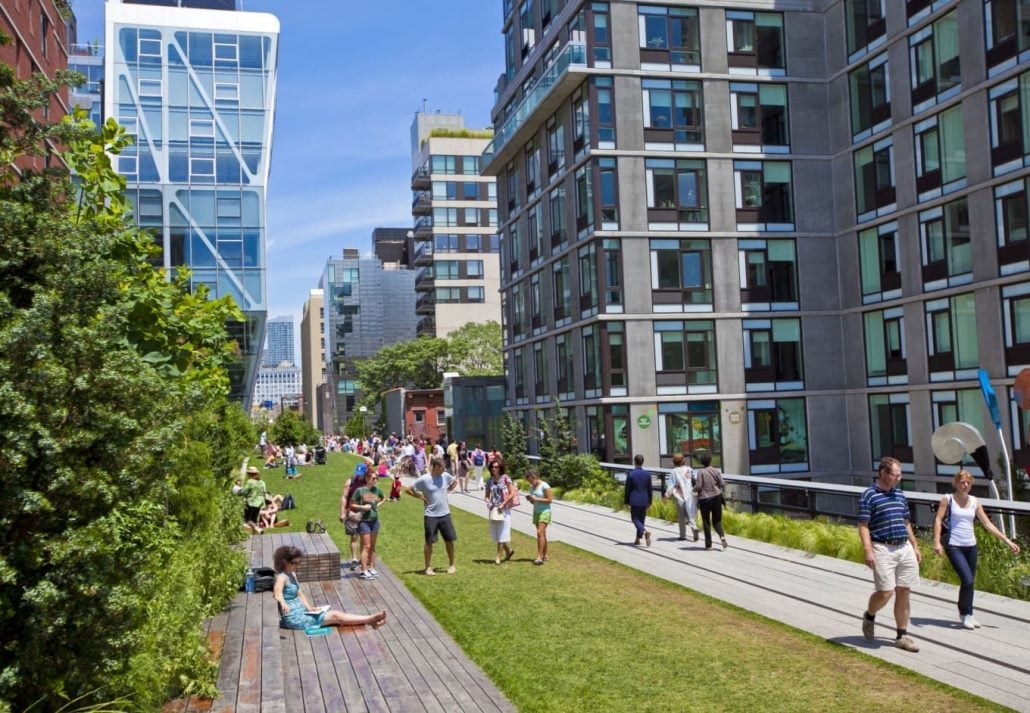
column 991, row 400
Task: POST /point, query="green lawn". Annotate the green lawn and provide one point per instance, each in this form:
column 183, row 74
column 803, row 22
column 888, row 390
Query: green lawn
column 585, row 634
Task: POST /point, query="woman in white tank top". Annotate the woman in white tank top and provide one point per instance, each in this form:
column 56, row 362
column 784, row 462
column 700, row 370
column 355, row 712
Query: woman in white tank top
column 960, row 544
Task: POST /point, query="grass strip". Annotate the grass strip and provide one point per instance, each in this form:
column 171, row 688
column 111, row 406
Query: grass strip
column 583, row 633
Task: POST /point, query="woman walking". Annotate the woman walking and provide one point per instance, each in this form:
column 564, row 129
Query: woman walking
column 540, row 496
column 295, row 611
column 366, row 500
column 956, row 538
column 681, row 488
column 500, row 492
column 708, row 486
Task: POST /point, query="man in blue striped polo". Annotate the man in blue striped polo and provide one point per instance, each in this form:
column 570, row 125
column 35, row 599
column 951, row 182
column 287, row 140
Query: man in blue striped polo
column 891, row 550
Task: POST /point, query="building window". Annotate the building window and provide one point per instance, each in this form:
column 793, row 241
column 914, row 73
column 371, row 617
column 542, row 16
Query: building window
column 473, row 269
column 591, row 346
column 526, row 25
column 559, row 230
column 584, row 200
column 940, row 154
column 690, row 428
column 890, row 427
column 150, row 88
column 561, row 291
column 677, row 194
column 768, row 275
column 947, row 251
column 588, row 294
column 534, row 232
column 600, row 39
column 755, row 41
column 532, row 160
column 1012, row 218
column 519, row 359
column 772, row 355
column 1010, row 124
column 758, row 118
column 763, row 195
column 612, row 275
column 866, row 22
column 536, row 304
column 518, row 311
column 885, row 351
column 555, row 145
column 540, row 389
column 966, row 405
column 777, row 436
column 1008, row 33
column 870, row 98
column 874, row 180
column 918, row 9
column 879, row 263
column 1015, row 307
column 604, row 96
column 934, row 61
column 673, row 115
column 227, row 92
column 614, row 358
column 580, row 121
column 681, row 275
column 685, row 357
column 670, row 38
column 563, row 354
column 608, row 196
column 951, row 338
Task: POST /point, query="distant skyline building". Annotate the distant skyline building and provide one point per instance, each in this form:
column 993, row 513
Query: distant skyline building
column 277, row 384
column 312, row 356
column 367, row 305
column 195, row 86
column 391, row 245
column 279, row 342
column 455, row 224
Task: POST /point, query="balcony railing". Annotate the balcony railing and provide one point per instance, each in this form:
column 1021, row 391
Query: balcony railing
column 422, row 202
column 423, row 227
column 86, row 50
column 420, row 179
column 573, row 55
column 424, row 253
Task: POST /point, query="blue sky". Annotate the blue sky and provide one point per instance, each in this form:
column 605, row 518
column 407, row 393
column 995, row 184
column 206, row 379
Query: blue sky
column 352, row 74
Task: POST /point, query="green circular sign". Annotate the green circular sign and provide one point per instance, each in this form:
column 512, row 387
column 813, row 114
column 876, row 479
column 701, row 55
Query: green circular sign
column 643, row 421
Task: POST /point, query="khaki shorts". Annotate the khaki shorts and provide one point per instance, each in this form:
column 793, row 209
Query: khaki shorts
column 896, row 566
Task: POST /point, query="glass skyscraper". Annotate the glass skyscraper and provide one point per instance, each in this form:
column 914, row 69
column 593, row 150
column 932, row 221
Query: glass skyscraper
column 196, row 88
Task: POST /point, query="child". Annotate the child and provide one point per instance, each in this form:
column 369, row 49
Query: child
column 395, row 488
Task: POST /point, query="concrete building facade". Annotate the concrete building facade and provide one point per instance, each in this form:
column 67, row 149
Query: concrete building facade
column 194, row 82
column 368, row 305
column 312, row 356
column 788, row 233
column 455, row 253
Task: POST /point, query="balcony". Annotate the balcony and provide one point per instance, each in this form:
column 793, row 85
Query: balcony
column 86, row 50
column 541, row 100
column 422, row 204
column 427, row 325
column 426, row 303
column 424, row 279
column 424, row 254
column 420, row 179
column 423, row 228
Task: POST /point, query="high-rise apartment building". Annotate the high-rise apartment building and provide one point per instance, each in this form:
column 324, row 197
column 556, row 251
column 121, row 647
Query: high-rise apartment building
column 88, row 59
column 280, row 342
column 312, row 355
column 455, row 254
column 194, row 82
column 786, row 233
column 278, row 388
column 368, row 304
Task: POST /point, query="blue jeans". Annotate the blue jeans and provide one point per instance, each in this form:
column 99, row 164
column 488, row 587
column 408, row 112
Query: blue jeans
column 963, row 559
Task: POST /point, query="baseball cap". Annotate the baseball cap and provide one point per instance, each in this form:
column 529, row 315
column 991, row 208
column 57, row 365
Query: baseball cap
column 361, row 469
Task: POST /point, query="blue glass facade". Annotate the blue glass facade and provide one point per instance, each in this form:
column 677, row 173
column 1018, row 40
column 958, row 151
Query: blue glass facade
column 197, row 90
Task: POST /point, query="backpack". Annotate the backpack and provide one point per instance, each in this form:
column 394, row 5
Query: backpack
column 288, row 502
column 264, row 579
column 315, row 527
column 477, row 459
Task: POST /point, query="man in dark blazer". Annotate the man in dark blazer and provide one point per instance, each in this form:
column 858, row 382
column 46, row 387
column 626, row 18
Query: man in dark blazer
column 638, row 497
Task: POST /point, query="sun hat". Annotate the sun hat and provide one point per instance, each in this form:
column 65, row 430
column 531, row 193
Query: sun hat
column 252, row 471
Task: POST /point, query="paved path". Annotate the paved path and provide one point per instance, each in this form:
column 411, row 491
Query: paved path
column 821, row 595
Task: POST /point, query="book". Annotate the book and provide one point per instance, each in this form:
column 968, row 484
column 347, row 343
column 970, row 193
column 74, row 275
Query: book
column 320, row 610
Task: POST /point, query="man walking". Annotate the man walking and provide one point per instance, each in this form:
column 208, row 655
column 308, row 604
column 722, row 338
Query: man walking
column 638, row 496
column 891, row 551
column 432, row 490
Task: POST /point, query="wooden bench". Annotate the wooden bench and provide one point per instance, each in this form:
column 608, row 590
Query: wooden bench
column 321, row 556
column 410, row 664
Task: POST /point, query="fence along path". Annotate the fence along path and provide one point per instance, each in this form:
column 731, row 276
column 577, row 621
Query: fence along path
column 822, row 595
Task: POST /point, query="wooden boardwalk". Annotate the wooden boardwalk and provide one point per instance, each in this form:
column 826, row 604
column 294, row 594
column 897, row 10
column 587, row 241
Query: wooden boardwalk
column 410, row 664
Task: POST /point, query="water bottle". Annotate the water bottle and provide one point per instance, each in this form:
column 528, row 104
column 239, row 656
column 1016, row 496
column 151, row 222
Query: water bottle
column 249, row 586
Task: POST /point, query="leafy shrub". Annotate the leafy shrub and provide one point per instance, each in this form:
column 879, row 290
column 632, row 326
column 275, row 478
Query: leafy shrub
column 513, row 440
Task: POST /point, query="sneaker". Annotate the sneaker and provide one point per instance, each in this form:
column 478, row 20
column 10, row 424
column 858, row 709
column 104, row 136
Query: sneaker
column 354, row 564
column 451, row 569
column 868, row 628
column 906, row 644
column 968, row 622
column 373, row 573
column 366, row 575
column 647, row 538
column 975, row 622
column 696, row 534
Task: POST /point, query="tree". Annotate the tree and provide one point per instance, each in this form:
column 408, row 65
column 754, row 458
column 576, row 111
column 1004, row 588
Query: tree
column 513, row 440
column 356, row 426
column 118, row 439
column 416, row 364
column 290, row 428
column 475, row 349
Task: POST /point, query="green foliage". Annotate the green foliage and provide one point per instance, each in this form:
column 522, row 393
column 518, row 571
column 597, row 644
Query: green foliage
column 474, row 349
column 579, row 470
column 556, row 440
column 513, row 445
column 118, row 441
column 291, row 428
column 356, row 426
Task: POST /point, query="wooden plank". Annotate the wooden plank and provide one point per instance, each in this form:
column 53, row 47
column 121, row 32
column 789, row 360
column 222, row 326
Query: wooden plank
column 272, row 674
column 344, row 673
column 292, row 693
column 328, row 684
column 248, row 699
column 310, row 693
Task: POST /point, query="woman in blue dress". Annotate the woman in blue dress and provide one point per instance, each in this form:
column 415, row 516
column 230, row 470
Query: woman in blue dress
column 295, row 610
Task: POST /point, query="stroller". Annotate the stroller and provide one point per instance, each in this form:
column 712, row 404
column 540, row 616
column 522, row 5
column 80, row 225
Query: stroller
column 319, row 455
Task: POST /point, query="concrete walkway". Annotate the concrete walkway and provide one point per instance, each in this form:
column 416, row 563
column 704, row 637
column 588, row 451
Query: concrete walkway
column 821, row 595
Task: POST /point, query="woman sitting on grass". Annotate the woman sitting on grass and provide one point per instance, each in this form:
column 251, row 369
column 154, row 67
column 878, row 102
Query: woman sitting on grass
column 295, row 610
